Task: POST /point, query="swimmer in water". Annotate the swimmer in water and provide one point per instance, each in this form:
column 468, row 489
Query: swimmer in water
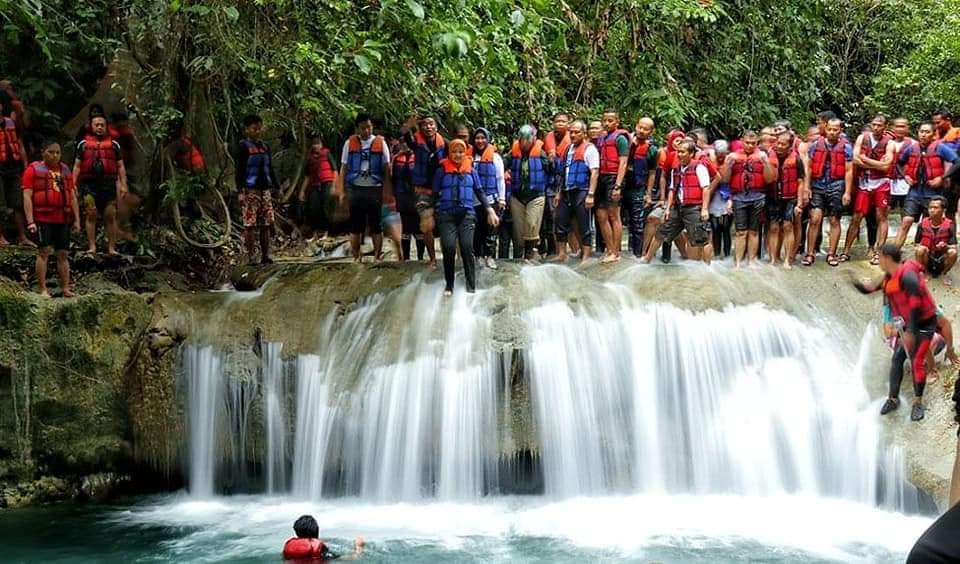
column 307, row 546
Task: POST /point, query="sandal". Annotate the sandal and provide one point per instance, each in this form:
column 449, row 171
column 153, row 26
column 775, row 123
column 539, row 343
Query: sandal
column 843, row 257
column 832, row 260
column 875, row 259
column 808, row 260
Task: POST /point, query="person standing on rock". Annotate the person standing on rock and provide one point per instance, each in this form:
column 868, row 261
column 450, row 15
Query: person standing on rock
column 830, row 184
column 429, row 149
column 785, row 202
column 579, row 171
column 13, row 160
column 645, row 155
column 555, row 143
column 255, row 178
column 614, row 150
column 748, row 171
column 873, row 156
column 102, row 179
column 457, row 186
column 365, row 181
column 924, row 163
column 915, row 310
column 489, row 166
column 320, row 175
column 529, row 167
column 51, row 208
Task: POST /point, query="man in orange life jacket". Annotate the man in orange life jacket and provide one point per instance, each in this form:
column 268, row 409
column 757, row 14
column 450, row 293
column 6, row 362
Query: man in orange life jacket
column 555, row 143
column 830, row 184
column 102, row 179
column 579, row 171
column 13, row 160
column 255, row 178
column 365, row 175
column 945, row 131
column 688, row 204
column 936, row 242
column 320, row 175
column 910, row 300
column 786, row 201
column 51, row 207
column 307, row 546
column 873, row 155
column 924, row 163
column 614, row 156
column 748, row 172
column 429, row 149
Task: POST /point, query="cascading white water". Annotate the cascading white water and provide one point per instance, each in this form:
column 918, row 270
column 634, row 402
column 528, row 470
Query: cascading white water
column 275, row 417
column 204, row 380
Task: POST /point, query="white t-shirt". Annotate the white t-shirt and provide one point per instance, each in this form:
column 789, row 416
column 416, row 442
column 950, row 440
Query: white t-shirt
column 871, row 184
column 591, row 156
column 365, row 144
column 899, row 186
column 703, row 175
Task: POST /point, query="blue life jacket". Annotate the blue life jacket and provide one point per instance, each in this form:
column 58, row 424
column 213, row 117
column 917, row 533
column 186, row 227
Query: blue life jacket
column 487, row 172
column 578, row 175
column 538, row 176
column 258, row 164
column 641, row 162
column 402, row 173
column 422, row 155
column 457, row 186
column 356, row 155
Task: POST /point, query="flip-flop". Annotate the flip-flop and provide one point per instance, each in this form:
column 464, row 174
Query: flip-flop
column 832, row 260
column 808, row 260
column 843, row 257
column 875, row 259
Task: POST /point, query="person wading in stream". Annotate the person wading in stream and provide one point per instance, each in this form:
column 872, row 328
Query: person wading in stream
column 457, row 186
column 51, row 207
column 910, row 300
column 255, row 178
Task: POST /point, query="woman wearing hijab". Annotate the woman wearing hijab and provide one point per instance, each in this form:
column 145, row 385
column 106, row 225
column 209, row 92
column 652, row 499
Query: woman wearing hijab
column 456, row 185
column 656, row 201
column 489, row 166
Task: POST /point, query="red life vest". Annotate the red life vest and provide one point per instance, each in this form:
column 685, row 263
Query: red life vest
column 101, row 150
column 552, row 147
column 930, row 236
column 901, row 303
column 609, row 157
column 688, row 181
column 321, row 171
column 747, row 172
column 876, row 153
column 189, row 157
column 838, row 160
column 932, row 162
column 788, row 177
column 894, row 172
column 10, row 142
column 303, row 549
column 50, row 199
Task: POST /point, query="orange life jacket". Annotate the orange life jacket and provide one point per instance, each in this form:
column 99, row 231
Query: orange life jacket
column 100, row 151
column 10, row 142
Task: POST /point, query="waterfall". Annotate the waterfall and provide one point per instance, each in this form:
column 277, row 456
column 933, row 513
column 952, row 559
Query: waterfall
column 275, row 417
column 204, row 380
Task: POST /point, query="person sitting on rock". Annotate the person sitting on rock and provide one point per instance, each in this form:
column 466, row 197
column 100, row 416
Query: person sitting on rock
column 936, row 243
column 307, row 546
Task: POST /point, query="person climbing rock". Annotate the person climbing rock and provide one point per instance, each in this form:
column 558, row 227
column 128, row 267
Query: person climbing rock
column 748, row 171
column 489, row 166
column 307, row 546
column 457, row 186
column 365, row 181
column 255, row 178
column 580, row 168
column 924, row 163
column 529, row 167
column 906, row 292
column 785, row 201
column 51, row 208
column 614, row 150
column 873, row 157
column 429, row 149
column 830, row 184
column 319, row 178
column 688, row 204
column 102, row 180
column 13, row 160
column 936, row 242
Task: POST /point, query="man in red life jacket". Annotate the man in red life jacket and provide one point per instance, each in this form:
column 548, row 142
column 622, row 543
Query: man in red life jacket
column 688, row 202
column 102, row 180
column 924, row 163
column 913, row 305
column 786, row 201
column 319, row 177
column 307, row 546
column 830, row 184
column 51, row 207
column 748, row 172
column 614, row 155
column 898, row 184
column 13, row 160
column 936, row 242
column 873, row 155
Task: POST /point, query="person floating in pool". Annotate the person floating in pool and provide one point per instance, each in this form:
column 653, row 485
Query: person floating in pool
column 307, row 546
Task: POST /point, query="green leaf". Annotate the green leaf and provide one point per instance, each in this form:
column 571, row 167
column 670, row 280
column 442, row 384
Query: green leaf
column 516, row 18
column 363, row 63
column 416, row 8
column 231, row 12
column 175, row 6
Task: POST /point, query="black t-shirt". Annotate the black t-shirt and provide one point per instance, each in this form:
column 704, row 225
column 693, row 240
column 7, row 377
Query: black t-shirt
column 941, row 542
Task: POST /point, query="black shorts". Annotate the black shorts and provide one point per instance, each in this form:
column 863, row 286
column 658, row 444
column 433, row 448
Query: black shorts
column 746, row 215
column 898, row 202
column 99, row 193
column 315, row 210
column 685, row 217
column 424, row 203
column 605, row 185
column 916, row 207
column 935, row 263
column 409, row 216
column 56, row 235
column 365, row 204
column 780, row 210
column 11, row 196
column 830, row 200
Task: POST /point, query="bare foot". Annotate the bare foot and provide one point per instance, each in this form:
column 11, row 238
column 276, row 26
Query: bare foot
column 608, row 258
column 45, row 294
column 90, row 252
column 933, row 377
column 557, row 258
column 357, row 260
column 24, row 242
column 4, row 242
column 788, row 266
column 432, row 265
column 112, row 253
column 952, row 357
column 68, row 293
column 946, row 280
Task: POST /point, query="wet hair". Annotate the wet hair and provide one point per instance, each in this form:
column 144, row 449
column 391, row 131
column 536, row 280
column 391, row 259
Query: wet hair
column 252, row 119
column 892, row 251
column 362, row 117
column 306, row 527
column 939, row 199
column 826, row 115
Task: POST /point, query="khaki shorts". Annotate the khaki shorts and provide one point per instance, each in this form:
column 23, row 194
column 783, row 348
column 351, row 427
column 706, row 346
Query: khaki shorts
column 527, row 218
